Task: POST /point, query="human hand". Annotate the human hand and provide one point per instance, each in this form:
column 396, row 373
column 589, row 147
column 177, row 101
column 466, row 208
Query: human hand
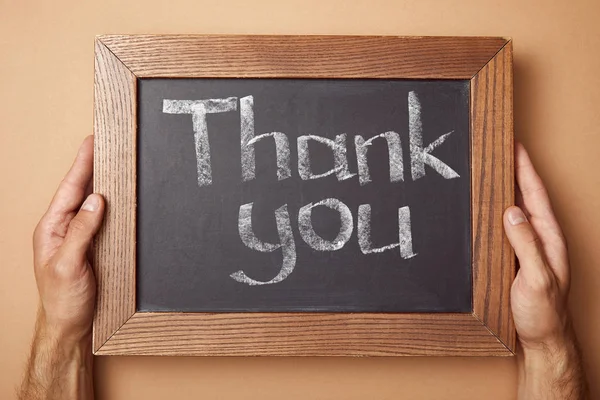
column 551, row 365
column 61, row 244
column 540, row 289
column 60, row 363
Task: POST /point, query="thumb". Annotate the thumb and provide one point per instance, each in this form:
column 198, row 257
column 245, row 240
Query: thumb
column 524, row 241
column 85, row 225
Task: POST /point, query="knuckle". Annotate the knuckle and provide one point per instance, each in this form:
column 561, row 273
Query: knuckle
column 62, row 269
column 67, row 182
column 533, row 240
column 534, row 190
column 77, row 225
column 41, row 229
column 542, row 283
column 66, row 267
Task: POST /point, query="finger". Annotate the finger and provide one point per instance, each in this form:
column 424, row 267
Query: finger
column 519, row 202
column 527, row 246
column 90, row 187
column 68, row 197
column 72, row 189
column 533, row 192
column 534, row 196
column 536, row 204
column 84, row 226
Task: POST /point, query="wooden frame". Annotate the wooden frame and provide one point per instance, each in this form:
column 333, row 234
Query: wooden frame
column 121, row 60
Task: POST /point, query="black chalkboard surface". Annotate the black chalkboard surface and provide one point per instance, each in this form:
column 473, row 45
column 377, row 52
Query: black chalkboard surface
column 268, row 195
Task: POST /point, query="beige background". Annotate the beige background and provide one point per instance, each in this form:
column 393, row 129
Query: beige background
column 46, row 86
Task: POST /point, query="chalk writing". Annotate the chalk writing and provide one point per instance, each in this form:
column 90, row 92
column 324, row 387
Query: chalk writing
column 404, row 232
column 282, row 146
column 420, row 156
column 312, row 238
column 199, row 109
column 286, row 243
column 338, row 146
column 394, row 154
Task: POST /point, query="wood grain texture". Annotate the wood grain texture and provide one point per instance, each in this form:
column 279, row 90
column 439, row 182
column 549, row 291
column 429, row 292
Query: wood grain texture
column 115, row 179
column 303, row 334
column 206, row 56
column 492, row 191
column 120, row 60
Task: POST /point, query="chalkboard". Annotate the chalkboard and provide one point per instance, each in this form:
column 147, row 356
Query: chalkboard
column 347, row 191
column 303, row 195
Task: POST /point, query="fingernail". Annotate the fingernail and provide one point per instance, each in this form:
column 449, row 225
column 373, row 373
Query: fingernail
column 516, row 216
column 90, row 204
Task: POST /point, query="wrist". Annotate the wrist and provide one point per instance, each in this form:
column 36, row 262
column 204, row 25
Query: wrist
column 60, row 364
column 551, row 358
column 552, row 369
column 70, row 343
column 559, row 342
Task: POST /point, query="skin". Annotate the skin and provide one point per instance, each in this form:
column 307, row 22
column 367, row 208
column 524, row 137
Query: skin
column 550, row 364
column 60, row 364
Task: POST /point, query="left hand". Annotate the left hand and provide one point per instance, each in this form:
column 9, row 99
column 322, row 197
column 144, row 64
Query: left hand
column 550, row 365
column 541, row 286
column 61, row 244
